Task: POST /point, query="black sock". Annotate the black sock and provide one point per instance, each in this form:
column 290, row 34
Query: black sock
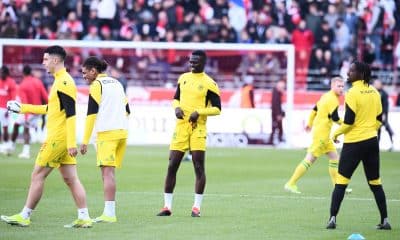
column 337, row 198
column 380, row 200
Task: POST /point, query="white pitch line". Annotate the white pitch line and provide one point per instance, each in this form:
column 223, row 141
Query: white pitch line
column 291, row 196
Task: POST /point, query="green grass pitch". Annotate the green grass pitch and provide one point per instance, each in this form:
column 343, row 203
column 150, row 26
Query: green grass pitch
column 244, row 198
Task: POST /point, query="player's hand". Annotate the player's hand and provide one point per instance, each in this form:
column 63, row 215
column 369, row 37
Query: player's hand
column 335, row 140
column 14, row 106
column 179, row 113
column 193, row 117
column 307, row 128
column 83, row 149
column 73, row 151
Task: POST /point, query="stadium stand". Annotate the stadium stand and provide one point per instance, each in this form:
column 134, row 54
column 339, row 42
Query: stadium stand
column 327, row 35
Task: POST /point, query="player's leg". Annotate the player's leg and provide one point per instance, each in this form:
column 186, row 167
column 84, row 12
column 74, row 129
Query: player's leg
column 178, row 147
column 313, row 152
column 117, row 150
column 71, row 179
column 333, row 165
column 280, row 129
column 14, row 135
column 348, row 162
column 371, row 163
column 35, row 192
column 198, row 158
column 273, row 129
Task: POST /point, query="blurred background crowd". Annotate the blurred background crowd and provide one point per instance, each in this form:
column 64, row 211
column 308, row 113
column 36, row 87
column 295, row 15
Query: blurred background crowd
column 327, row 34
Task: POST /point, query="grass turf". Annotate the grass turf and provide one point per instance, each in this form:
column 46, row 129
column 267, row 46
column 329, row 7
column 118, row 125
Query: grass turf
column 244, row 198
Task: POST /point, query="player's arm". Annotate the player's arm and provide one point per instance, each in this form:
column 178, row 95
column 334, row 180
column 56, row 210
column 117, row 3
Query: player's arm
column 215, row 100
column 176, row 102
column 35, row 109
column 311, row 117
column 335, row 116
column 379, row 116
column 349, row 116
column 67, row 96
column 93, row 109
column 127, row 109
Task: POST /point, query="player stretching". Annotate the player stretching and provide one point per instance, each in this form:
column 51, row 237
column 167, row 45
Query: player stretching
column 196, row 97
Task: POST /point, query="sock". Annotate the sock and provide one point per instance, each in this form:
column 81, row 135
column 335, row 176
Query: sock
column 168, row 200
column 300, row 170
column 337, row 198
column 26, row 213
column 333, row 170
column 198, row 198
column 109, row 208
column 83, row 213
column 380, row 200
column 26, row 148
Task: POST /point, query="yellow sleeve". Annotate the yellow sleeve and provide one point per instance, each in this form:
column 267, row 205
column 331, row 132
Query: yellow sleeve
column 311, row 117
column 67, row 96
column 35, row 109
column 175, row 103
column 215, row 100
column 349, row 116
column 93, row 109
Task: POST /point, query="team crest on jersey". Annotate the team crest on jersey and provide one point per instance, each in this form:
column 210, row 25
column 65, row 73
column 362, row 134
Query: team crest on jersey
column 65, row 82
column 200, row 87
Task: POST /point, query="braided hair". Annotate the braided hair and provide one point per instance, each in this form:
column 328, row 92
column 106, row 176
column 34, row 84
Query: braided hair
column 94, row 62
column 364, row 70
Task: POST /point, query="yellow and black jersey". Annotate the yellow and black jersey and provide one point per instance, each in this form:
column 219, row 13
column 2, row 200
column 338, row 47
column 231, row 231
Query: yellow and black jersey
column 324, row 113
column 108, row 110
column 60, row 110
column 197, row 92
column 363, row 113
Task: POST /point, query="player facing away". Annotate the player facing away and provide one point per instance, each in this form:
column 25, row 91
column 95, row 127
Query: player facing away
column 196, row 98
column 59, row 149
column 108, row 112
column 362, row 119
column 320, row 121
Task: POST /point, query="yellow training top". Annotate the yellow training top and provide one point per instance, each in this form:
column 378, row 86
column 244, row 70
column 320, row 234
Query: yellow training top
column 197, row 92
column 61, row 120
column 363, row 114
column 324, row 113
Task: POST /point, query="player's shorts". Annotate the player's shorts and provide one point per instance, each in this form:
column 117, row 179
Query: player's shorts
column 321, row 146
column 367, row 152
column 28, row 120
column 53, row 153
column 186, row 137
column 4, row 117
column 110, row 153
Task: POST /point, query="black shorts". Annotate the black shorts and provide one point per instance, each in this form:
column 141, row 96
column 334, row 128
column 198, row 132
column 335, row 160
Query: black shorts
column 366, row 151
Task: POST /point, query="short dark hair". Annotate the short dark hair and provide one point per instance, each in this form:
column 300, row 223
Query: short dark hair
column 27, row 70
column 94, row 62
column 56, row 50
column 364, row 69
column 200, row 53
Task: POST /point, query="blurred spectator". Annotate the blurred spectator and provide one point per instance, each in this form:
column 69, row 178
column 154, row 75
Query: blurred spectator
column 387, row 47
column 313, row 18
column 92, row 34
column 303, row 40
column 331, row 16
column 237, row 15
column 342, row 40
column 325, row 36
column 72, row 25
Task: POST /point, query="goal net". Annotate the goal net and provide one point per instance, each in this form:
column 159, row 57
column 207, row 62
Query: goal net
column 151, row 70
